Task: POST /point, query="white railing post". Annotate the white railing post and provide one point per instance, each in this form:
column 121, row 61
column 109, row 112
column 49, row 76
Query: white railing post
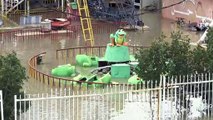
column 15, row 107
column 2, row 112
column 163, row 79
column 175, row 94
column 159, row 98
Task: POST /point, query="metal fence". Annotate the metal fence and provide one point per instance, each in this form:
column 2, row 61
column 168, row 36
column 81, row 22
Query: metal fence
column 171, row 98
column 94, row 104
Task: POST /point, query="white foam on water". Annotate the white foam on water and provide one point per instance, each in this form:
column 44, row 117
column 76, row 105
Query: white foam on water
column 168, row 110
column 134, row 111
column 197, row 107
column 137, row 108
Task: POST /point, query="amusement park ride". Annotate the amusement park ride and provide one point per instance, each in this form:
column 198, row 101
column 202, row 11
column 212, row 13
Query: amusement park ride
column 116, row 64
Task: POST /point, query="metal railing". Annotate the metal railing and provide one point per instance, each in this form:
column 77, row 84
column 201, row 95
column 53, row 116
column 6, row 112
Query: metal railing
column 174, row 98
column 94, row 104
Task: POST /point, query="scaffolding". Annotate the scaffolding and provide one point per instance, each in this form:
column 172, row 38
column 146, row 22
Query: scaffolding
column 122, row 11
column 86, row 23
column 25, row 6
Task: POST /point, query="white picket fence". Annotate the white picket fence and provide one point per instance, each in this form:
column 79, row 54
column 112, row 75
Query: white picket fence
column 75, row 105
column 176, row 98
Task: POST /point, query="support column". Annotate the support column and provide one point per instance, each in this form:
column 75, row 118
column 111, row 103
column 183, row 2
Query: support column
column 58, row 4
column 25, row 7
column 62, row 5
column 28, row 7
column 2, row 7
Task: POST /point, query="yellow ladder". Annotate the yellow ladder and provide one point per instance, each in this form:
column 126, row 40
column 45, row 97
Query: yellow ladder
column 86, row 23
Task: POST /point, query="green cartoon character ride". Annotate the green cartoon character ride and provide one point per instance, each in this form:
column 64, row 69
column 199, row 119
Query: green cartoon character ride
column 119, row 38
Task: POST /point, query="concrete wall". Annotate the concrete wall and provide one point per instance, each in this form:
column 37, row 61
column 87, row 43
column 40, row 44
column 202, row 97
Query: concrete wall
column 192, row 10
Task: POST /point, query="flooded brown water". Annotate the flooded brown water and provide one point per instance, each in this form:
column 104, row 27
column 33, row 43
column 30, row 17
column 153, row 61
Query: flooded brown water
column 28, row 46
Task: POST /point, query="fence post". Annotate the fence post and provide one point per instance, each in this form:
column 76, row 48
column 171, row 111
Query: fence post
column 2, row 113
column 163, row 80
column 159, row 98
column 175, row 82
column 15, row 107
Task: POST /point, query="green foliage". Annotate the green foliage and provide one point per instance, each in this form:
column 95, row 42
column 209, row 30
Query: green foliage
column 12, row 76
column 175, row 58
column 210, row 49
column 152, row 62
column 199, row 60
column 210, row 38
column 179, row 54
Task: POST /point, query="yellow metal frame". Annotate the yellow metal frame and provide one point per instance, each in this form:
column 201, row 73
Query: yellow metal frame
column 86, row 23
